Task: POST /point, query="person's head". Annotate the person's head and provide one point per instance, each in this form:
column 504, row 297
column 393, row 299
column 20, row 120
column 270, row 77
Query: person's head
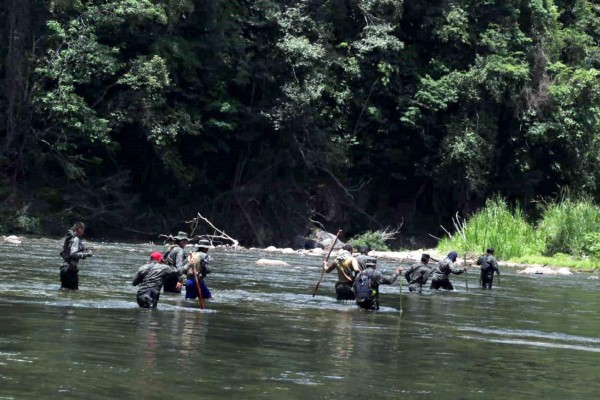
column 348, row 248
column 371, row 262
column 452, row 256
column 203, row 245
column 156, row 256
column 78, row 228
column 490, row 250
column 363, row 249
column 181, row 239
column 425, row 258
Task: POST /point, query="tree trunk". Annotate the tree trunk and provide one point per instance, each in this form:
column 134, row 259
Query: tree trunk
column 14, row 93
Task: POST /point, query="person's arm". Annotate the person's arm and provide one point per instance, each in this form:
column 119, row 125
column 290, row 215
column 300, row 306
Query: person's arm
column 480, row 260
column 139, row 275
column 355, row 266
column 385, row 280
column 77, row 251
column 456, row 270
column 408, row 273
column 330, row 268
column 495, row 266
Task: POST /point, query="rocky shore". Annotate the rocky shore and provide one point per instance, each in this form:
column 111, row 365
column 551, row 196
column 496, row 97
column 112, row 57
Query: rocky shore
column 411, row 256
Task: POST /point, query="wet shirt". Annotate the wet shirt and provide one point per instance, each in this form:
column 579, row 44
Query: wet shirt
column 489, row 265
column 175, row 257
column 417, row 273
column 152, row 275
column 445, row 268
column 73, row 250
column 362, row 261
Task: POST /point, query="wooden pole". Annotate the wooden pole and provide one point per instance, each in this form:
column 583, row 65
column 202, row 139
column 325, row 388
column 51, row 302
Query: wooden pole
column 466, row 276
column 198, row 287
column 326, row 259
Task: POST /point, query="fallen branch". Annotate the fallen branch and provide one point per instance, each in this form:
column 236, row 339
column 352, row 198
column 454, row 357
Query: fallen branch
column 218, row 234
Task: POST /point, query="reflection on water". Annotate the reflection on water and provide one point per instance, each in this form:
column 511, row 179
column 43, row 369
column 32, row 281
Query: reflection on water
column 265, row 336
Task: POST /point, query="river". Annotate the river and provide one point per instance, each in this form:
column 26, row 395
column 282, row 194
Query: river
column 264, row 336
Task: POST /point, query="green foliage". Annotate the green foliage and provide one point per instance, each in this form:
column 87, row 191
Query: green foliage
column 497, row 226
column 570, row 226
column 560, row 260
column 296, row 110
column 26, row 223
column 375, row 240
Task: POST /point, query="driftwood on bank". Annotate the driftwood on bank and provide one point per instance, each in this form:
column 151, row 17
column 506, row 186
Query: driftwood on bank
column 217, row 236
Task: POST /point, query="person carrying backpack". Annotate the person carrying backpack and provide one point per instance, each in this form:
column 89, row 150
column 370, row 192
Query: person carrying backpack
column 175, row 258
column 73, row 250
column 198, row 261
column 489, row 265
column 366, row 285
column 347, row 267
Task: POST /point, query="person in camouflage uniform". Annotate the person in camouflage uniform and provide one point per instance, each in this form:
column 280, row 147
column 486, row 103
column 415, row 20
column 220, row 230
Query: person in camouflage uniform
column 73, row 251
column 362, row 258
column 151, row 277
column 489, row 265
column 443, row 269
column 418, row 274
column 366, row 285
column 175, row 258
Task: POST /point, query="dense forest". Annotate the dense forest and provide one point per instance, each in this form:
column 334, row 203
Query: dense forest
column 273, row 116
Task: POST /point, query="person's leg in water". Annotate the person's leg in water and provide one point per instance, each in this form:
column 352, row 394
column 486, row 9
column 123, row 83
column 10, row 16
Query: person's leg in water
column 486, row 281
column 344, row 291
column 69, row 278
column 148, row 298
column 447, row 285
column 191, row 292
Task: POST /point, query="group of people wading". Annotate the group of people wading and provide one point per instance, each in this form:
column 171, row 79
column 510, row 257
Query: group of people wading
column 170, row 271
column 358, row 277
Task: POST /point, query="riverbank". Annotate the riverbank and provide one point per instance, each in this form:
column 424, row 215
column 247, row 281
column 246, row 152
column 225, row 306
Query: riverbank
column 545, row 265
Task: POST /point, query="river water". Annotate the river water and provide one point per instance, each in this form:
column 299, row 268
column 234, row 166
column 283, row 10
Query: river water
column 264, row 336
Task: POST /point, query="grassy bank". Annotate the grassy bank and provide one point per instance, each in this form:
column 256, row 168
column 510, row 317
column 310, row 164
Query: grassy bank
column 566, row 235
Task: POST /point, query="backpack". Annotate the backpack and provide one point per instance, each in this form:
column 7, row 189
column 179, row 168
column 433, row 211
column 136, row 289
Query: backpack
column 362, row 285
column 66, row 246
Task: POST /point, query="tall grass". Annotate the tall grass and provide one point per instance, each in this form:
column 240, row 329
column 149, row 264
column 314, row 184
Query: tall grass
column 498, row 226
column 571, row 226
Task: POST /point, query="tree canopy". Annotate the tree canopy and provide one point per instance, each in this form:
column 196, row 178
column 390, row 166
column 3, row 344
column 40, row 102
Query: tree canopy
column 269, row 116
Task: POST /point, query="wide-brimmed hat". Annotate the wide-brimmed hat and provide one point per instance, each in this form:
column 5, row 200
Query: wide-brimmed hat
column 181, row 236
column 203, row 244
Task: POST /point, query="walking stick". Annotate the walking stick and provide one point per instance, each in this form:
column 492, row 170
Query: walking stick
column 466, row 276
column 400, row 284
column 198, row 288
column 326, row 259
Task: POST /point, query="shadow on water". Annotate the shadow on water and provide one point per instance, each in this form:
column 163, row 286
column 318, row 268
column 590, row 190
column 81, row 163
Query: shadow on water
column 264, row 336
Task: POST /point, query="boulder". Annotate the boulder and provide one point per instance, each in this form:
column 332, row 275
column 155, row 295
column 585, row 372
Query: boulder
column 12, row 239
column 544, row 270
column 325, row 239
column 264, row 262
